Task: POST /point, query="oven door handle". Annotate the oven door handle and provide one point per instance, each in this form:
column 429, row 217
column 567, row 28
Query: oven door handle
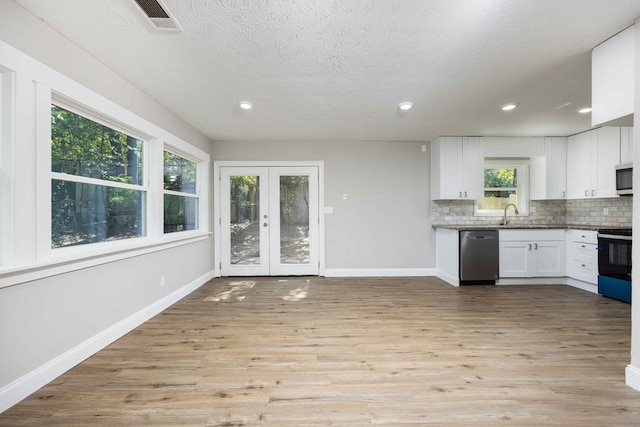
column 614, row 237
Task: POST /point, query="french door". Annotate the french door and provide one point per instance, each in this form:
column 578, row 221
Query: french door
column 269, row 221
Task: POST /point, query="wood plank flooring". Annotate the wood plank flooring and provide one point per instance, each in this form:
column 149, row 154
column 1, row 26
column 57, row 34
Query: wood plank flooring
column 352, row 352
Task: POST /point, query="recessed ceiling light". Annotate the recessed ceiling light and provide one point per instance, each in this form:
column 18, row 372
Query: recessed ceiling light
column 508, row 107
column 245, row 105
column 405, row 106
column 584, row 110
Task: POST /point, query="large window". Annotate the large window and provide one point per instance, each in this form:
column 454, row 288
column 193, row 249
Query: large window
column 97, row 188
column 180, row 193
column 505, row 182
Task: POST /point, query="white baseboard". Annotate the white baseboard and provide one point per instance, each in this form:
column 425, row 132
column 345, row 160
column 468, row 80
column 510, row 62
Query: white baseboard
column 41, row 376
column 590, row 287
column 632, row 377
column 452, row 280
column 532, row 281
column 379, row 272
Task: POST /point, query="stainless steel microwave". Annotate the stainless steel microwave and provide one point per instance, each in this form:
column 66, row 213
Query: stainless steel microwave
column 624, row 179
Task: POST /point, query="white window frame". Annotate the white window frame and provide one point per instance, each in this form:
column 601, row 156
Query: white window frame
column 99, row 118
column 7, row 97
column 32, row 86
column 522, row 187
column 200, row 175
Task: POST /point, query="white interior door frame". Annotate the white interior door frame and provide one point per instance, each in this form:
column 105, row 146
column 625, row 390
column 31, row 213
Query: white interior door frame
column 217, row 204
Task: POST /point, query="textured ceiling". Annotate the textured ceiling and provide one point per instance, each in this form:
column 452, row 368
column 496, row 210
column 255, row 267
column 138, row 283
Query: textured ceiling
column 335, row 70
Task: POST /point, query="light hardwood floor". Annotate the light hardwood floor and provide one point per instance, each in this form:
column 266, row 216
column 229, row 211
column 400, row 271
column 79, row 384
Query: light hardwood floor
column 350, row 352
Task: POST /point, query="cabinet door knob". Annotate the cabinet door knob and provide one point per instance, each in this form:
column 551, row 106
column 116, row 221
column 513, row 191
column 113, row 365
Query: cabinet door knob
column 460, row 194
column 535, row 246
column 529, row 246
column 593, row 192
column 586, row 193
column 465, row 194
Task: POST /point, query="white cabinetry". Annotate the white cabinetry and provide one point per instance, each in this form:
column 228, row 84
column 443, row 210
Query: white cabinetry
column 591, row 160
column 532, row 253
column 447, row 259
column 626, row 144
column 583, row 255
column 457, row 168
column 549, row 172
column 612, row 79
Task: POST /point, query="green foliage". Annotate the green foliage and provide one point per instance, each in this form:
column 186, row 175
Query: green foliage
column 500, row 178
column 82, row 147
column 179, row 173
column 85, row 213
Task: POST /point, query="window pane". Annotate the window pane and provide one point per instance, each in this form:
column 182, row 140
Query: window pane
column 500, row 178
column 82, row 147
column 85, row 213
column 179, row 174
column 294, row 219
column 244, row 215
column 497, row 199
column 180, row 213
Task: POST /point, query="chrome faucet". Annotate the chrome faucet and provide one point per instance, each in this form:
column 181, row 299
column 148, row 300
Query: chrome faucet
column 505, row 221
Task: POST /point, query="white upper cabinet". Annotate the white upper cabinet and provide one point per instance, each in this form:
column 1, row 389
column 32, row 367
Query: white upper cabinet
column 612, row 80
column 626, row 144
column 549, row 172
column 591, row 160
column 457, row 168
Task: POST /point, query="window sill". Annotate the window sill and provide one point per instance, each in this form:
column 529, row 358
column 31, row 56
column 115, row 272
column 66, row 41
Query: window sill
column 72, row 261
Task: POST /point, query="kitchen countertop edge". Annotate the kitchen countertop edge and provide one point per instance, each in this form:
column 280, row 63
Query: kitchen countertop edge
column 526, row 227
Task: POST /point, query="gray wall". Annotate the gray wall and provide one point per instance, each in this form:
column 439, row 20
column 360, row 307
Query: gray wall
column 43, row 319
column 385, row 221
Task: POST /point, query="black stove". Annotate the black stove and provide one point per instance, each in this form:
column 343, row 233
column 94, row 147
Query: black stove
column 614, row 263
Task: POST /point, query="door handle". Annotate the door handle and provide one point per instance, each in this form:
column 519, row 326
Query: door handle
column 535, row 246
column 265, row 225
column 529, row 246
column 465, row 194
column 586, row 193
column 593, row 192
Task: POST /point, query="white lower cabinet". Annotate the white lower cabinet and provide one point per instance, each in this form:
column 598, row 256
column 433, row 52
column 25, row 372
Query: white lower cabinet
column 582, row 253
column 532, row 253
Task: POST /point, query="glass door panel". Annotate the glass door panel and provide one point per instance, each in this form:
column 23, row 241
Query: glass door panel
column 294, row 219
column 294, row 235
column 244, row 220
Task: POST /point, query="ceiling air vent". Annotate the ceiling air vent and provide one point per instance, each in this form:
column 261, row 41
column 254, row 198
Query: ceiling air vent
column 158, row 15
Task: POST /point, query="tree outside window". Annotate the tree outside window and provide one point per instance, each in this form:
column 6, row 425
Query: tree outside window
column 180, row 195
column 504, row 183
column 97, row 191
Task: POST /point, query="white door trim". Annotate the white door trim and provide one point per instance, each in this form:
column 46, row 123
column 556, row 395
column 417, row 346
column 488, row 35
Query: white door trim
column 217, row 250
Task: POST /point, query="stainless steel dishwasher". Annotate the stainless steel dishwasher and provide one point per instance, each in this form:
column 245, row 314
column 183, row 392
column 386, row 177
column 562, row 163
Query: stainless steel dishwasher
column 479, row 256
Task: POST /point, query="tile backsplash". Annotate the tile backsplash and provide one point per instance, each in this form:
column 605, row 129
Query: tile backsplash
column 587, row 212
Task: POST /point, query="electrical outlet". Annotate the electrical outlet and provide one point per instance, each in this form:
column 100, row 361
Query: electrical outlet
column 162, row 282
column 605, row 211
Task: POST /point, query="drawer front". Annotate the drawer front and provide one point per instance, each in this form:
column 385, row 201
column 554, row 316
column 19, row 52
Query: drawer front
column 585, row 236
column 585, row 252
column 585, row 271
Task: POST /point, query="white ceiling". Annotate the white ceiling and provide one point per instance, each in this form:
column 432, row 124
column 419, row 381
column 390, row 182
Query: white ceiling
column 335, row 70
